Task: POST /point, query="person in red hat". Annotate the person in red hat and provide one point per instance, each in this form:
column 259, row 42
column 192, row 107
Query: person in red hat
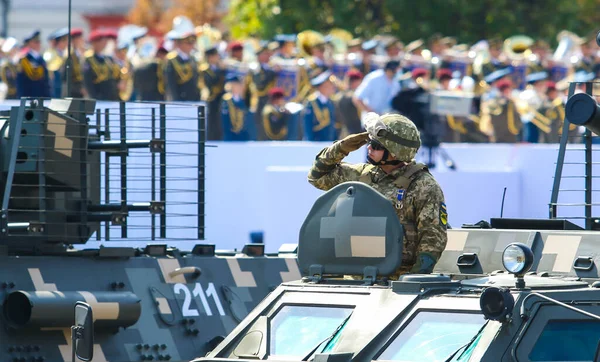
column 500, row 119
column 77, row 56
column 278, row 123
column 444, row 76
column 236, row 50
column 347, row 114
column 99, row 76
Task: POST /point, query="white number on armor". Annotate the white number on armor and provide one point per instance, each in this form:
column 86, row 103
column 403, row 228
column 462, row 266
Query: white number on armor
column 200, row 293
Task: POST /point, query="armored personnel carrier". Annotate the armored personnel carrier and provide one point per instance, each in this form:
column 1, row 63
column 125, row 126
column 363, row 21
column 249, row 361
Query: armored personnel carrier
column 77, row 172
column 515, row 290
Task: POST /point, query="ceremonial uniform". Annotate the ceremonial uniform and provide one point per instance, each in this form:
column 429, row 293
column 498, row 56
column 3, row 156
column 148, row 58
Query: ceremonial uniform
column 501, row 120
column 99, row 77
column 181, row 76
column 238, row 122
column 312, row 68
column 319, row 119
column 213, row 82
column 416, row 195
column 8, row 69
column 260, row 82
column 77, row 86
column 149, row 81
column 33, row 79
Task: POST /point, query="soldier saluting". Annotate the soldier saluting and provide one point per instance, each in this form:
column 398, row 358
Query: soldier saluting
column 419, row 201
column 98, row 69
column 181, row 70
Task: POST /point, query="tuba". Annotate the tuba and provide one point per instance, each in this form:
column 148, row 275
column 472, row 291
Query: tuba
column 567, row 54
column 518, row 51
column 306, row 40
column 518, row 48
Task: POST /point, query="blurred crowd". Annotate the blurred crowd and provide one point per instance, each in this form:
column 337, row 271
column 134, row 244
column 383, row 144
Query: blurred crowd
column 313, row 86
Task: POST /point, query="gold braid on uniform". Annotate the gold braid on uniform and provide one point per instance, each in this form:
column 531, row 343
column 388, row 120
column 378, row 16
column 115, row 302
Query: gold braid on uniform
column 512, row 128
column 160, row 84
column 77, row 76
column 267, row 125
column 185, row 71
column 236, row 116
column 102, row 71
column 322, row 115
column 12, row 90
column 456, row 126
column 33, row 73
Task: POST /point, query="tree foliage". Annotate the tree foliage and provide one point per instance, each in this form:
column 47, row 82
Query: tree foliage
column 467, row 20
column 152, row 13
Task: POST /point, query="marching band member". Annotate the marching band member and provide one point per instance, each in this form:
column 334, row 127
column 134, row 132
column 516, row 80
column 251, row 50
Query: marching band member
column 55, row 59
column 181, row 70
column 237, row 121
column 499, row 117
column 278, row 123
column 9, row 69
column 98, row 69
column 33, row 79
column 319, row 112
column 346, row 110
column 149, row 77
column 212, row 80
column 364, row 63
column 77, row 56
column 533, row 98
column 261, row 80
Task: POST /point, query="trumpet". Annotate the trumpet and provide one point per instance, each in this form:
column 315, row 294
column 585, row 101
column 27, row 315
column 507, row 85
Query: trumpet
column 527, row 105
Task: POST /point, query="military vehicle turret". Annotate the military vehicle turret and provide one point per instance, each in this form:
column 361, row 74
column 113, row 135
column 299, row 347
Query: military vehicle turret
column 509, row 290
column 128, row 177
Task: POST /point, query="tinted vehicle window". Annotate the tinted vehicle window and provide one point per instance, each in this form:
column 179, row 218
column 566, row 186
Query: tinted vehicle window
column 296, row 330
column 433, row 336
column 567, row 341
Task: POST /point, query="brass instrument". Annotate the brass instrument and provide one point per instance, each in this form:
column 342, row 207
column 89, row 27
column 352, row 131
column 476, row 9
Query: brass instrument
column 568, row 50
column 206, row 37
column 527, row 105
column 306, row 40
column 127, row 83
column 339, row 40
column 518, row 48
column 54, row 60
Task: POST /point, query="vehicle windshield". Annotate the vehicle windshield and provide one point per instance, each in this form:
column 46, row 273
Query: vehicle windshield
column 433, row 336
column 296, row 330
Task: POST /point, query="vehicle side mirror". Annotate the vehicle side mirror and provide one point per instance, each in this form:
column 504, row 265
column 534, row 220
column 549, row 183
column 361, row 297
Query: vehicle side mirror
column 82, row 333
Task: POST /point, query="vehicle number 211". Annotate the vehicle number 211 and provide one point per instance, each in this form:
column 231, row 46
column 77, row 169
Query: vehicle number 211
column 198, row 293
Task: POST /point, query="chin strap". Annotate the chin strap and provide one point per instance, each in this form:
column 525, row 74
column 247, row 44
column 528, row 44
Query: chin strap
column 384, row 160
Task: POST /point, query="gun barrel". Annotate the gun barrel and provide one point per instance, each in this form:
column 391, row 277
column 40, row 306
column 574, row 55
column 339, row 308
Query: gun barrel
column 45, row 309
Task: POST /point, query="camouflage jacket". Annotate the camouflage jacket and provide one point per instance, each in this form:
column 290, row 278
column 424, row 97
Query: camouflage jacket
column 420, row 205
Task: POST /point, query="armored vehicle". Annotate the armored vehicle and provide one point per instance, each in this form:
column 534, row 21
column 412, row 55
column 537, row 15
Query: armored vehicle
column 128, row 178
column 515, row 290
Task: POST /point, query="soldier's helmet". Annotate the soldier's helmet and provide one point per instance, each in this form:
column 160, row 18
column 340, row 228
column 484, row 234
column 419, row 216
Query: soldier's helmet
column 396, row 133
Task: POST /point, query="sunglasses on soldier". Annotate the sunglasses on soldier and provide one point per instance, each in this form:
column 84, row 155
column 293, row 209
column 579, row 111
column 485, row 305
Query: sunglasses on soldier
column 375, row 145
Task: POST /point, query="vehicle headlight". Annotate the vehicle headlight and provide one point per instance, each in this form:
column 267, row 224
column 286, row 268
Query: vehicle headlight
column 517, row 258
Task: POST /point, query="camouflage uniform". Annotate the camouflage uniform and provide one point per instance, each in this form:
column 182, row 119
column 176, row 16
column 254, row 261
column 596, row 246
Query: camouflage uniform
column 417, row 196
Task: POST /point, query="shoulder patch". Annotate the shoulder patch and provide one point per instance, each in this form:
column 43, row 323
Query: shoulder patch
column 443, row 214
